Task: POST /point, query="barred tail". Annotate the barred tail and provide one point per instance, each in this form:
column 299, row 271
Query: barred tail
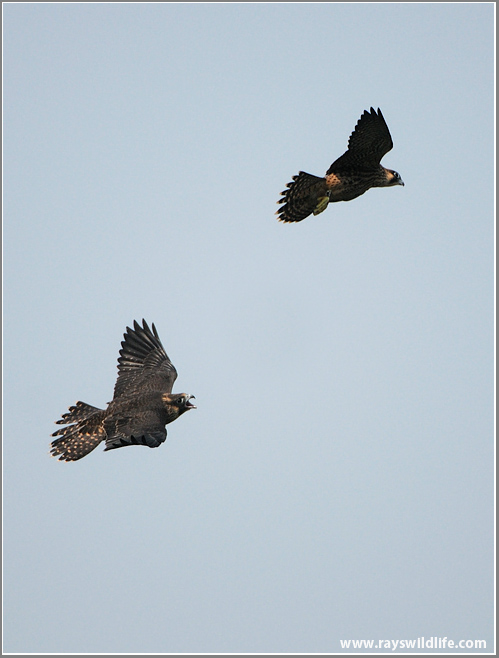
column 83, row 433
column 302, row 197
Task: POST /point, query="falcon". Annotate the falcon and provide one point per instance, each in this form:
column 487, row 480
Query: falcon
column 352, row 174
column 142, row 405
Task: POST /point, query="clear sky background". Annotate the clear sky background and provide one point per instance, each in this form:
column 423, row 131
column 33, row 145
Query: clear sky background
column 336, row 480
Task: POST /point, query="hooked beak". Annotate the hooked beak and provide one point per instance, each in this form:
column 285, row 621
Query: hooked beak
column 189, row 404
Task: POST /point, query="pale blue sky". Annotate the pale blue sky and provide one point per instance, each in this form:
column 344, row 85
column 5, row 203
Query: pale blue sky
column 336, row 480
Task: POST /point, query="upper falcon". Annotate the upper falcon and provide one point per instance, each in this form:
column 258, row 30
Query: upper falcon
column 352, row 174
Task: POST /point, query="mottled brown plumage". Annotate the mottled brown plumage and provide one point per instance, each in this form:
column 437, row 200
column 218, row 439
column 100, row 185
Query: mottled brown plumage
column 352, row 174
column 141, row 407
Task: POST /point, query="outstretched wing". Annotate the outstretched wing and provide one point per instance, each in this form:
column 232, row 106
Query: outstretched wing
column 301, row 198
column 143, row 365
column 143, row 428
column 368, row 143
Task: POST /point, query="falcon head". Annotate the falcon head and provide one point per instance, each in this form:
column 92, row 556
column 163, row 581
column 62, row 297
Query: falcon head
column 393, row 178
column 179, row 402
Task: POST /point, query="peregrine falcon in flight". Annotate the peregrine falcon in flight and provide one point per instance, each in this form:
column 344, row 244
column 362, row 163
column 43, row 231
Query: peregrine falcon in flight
column 352, row 174
column 142, row 405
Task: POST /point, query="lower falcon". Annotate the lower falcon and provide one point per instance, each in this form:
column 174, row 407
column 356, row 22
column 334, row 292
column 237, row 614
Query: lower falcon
column 142, row 405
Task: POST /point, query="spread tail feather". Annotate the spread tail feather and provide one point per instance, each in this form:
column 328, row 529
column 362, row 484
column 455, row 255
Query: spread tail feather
column 302, row 197
column 83, row 433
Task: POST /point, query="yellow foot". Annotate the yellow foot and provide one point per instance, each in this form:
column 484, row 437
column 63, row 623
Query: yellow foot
column 321, row 204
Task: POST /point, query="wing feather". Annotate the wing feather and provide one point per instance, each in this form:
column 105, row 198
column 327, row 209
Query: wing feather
column 143, row 365
column 145, row 428
column 368, row 143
